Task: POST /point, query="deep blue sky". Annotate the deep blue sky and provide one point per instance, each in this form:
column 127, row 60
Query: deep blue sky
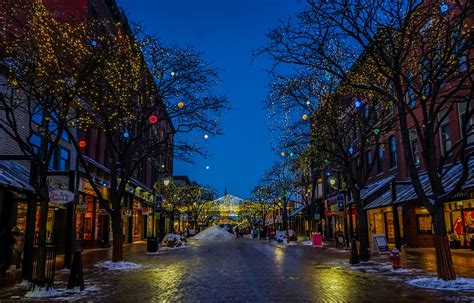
column 226, row 31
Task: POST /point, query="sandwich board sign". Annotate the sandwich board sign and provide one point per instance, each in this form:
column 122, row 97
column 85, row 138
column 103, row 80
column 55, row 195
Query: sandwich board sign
column 381, row 244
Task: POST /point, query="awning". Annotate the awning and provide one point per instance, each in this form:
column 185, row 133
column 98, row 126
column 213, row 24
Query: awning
column 406, row 192
column 297, row 211
column 372, row 188
column 452, row 173
column 14, row 175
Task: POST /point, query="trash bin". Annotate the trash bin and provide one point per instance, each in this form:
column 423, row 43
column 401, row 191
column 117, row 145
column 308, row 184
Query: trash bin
column 152, row 244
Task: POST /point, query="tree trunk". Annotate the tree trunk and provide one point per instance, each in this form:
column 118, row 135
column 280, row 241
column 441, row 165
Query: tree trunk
column 362, row 227
column 117, row 248
column 444, row 261
column 27, row 265
column 172, row 221
column 42, row 237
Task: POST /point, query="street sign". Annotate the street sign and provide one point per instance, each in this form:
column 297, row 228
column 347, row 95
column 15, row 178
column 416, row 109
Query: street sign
column 340, row 201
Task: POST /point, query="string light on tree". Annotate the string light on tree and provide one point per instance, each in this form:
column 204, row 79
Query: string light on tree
column 304, row 117
column 283, row 154
column 206, row 136
column 93, row 42
column 180, row 104
column 82, row 144
column 351, row 150
column 126, row 134
column 153, row 119
column 357, row 103
column 172, row 73
column 444, row 8
column 377, row 131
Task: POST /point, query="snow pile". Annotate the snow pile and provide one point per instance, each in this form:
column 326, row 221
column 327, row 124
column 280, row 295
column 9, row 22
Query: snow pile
column 173, row 240
column 281, row 236
column 214, row 233
column 117, row 265
column 307, row 242
column 466, row 284
column 42, row 292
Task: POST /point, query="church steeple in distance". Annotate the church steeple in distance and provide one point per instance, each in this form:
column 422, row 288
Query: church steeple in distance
column 225, row 191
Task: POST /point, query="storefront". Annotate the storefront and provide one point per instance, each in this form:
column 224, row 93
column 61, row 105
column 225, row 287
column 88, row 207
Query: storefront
column 381, row 222
column 459, row 218
column 92, row 220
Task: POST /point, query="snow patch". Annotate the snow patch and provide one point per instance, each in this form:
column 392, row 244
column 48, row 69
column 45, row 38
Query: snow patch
column 173, row 240
column 43, row 292
column 171, row 248
column 401, row 270
column 307, row 242
column 214, row 233
column 466, row 284
column 117, row 265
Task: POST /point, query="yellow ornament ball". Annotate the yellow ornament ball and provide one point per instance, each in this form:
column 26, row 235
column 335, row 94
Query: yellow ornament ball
column 305, row 117
column 181, row 104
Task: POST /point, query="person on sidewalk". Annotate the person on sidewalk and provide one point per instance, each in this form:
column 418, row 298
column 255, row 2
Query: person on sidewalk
column 18, row 244
column 6, row 242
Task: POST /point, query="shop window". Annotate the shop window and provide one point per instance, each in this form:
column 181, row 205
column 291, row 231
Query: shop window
column 393, row 152
column 423, row 224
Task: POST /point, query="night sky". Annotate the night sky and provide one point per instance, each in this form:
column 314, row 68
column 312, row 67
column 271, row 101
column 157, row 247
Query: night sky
column 226, row 31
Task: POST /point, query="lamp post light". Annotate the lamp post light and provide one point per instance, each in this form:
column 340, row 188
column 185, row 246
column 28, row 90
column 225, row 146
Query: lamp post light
column 332, row 181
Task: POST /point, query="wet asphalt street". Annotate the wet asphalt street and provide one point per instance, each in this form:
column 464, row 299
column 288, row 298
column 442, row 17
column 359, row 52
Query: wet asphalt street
column 245, row 270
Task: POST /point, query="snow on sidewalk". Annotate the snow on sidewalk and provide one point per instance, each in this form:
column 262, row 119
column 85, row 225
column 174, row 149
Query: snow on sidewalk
column 214, row 233
column 117, row 265
column 464, row 284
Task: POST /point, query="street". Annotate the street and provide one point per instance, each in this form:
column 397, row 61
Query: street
column 244, row 270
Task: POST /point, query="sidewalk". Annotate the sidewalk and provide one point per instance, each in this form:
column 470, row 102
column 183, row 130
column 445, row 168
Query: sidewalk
column 425, row 259
column 89, row 256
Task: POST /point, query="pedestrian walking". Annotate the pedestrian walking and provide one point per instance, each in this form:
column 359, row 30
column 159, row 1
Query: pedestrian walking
column 6, row 242
column 237, row 231
column 18, row 245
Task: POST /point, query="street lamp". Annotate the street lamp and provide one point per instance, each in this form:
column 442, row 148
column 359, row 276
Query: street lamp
column 332, row 182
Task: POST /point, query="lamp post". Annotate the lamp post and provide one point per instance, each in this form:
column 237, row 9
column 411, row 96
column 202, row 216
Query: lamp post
column 332, row 182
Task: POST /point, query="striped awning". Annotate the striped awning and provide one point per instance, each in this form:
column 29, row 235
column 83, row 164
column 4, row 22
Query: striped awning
column 406, row 192
column 15, row 176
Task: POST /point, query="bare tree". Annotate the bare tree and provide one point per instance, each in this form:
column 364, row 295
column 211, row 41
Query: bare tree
column 46, row 61
column 418, row 55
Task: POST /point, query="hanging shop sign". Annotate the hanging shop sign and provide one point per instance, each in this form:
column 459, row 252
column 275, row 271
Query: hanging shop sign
column 60, row 196
column 86, row 187
column 158, row 203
